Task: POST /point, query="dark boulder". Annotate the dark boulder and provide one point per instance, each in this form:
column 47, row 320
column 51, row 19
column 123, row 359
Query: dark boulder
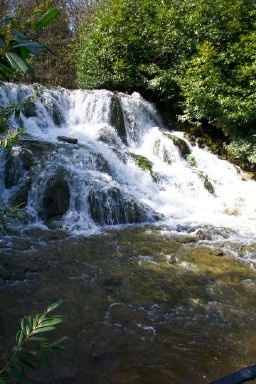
column 117, row 118
column 56, row 197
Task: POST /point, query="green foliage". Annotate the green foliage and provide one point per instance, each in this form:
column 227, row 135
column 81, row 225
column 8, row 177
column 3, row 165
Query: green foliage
column 9, row 137
column 243, row 150
column 122, row 45
column 18, row 43
column 9, row 216
column 32, row 348
column 143, row 163
column 191, row 56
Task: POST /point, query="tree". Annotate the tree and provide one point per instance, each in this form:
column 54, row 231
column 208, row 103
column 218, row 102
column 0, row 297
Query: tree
column 19, row 43
column 186, row 54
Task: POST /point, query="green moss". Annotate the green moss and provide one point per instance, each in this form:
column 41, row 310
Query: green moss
column 181, row 144
column 143, row 163
column 191, row 161
column 207, row 184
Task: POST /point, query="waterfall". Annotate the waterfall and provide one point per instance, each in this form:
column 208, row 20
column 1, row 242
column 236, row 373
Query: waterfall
column 92, row 159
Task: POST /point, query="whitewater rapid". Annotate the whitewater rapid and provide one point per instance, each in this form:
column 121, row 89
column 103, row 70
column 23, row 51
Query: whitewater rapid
column 176, row 193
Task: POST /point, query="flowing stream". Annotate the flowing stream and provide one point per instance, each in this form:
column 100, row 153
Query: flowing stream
column 149, row 240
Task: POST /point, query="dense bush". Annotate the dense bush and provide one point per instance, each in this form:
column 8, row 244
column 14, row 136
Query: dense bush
column 197, row 56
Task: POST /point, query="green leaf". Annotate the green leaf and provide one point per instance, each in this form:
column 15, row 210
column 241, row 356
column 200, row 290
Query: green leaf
column 44, row 329
column 19, row 337
column 59, row 341
column 53, row 306
column 17, row 375
column 18, row 63
column 6, row 20
column 47, row 18
column 35, row 322
column 23, row 324
column 45, row 360
column 29, row 45
column 30, row 320
column 29, row 359
column 37, row 338
column 51, row 321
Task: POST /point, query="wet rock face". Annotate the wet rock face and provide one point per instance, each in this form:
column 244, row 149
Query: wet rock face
column 18, row 162
column 117, row 118
column 181, row 144
column 56, row 196
column 110, row 207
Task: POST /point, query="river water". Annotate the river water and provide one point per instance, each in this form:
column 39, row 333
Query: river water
column 142, row 305
column 147, row 299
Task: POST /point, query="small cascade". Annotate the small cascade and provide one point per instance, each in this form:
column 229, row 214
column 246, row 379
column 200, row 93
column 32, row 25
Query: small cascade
column 92, row 159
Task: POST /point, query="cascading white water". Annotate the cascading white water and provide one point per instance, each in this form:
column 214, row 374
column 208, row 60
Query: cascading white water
column 190, row 191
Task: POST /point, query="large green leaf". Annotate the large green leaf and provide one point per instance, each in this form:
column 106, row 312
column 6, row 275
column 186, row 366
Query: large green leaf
column 6, row 20
column 47, row 18
column 18, row 63
column 29, row 44
column 31, row 47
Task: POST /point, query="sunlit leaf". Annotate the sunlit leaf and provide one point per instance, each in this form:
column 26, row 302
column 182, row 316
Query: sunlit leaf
column 23, row 324
column 53, row 306
column 37, row 338
column 50, row 322
column 19, row 337
column 47, row 18
column 44, row 329
column 17, row 62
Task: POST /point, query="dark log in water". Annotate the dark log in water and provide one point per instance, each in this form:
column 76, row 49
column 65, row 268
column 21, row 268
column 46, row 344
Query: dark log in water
column 241, row 376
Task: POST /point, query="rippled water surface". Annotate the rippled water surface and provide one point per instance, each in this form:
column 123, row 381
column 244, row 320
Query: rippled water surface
column 142, row 305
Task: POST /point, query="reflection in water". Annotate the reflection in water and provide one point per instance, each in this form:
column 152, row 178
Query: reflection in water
column 142, row 305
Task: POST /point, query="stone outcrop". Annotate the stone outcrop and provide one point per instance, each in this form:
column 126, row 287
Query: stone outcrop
column 56, row 196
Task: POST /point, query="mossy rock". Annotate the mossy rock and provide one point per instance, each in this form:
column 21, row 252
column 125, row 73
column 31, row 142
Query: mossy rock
column 191, row 161
column 181, row 144
column 30, row 110
column 144, row 163
column 117, row 118
column 207, row 184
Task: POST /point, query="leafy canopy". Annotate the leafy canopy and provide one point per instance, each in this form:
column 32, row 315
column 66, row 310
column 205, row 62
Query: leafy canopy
column 192, row 56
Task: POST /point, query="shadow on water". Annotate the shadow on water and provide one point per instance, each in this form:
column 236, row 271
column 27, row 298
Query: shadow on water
column 140, row 306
